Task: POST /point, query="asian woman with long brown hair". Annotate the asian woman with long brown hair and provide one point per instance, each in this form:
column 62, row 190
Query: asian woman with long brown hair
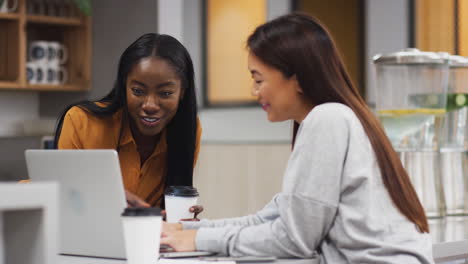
column 345, row 192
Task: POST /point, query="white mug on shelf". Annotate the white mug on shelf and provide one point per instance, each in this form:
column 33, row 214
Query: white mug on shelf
column 57, row 53
column 56, row 75
column 51, row 74
column 36, row 73
column 41, row 73
column 61, row 76
column 38, row 51
column 31, row 72
column 4, row 8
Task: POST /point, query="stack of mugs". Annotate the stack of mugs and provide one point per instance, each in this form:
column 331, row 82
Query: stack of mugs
column 58, row 8
column 45, row 66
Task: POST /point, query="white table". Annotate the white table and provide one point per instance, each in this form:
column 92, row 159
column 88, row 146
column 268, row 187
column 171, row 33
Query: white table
column 84, row 260
column 449, row 236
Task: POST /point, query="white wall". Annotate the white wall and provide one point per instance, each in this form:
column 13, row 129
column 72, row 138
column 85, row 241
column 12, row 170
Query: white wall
column 15, row 107
column 387, row 30
column 193, row 39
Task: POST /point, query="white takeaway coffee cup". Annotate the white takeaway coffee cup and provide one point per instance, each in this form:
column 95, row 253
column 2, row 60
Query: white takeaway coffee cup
column 178, row 200
column 142, row 233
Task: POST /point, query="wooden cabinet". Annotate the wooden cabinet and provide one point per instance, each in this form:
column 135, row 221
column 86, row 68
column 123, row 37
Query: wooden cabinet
column 435, row 25
column 19, row 29
column 442, row 26
column 228, row 24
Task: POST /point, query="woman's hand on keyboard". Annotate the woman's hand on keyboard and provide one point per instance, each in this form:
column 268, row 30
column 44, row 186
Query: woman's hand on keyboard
column 183, row 240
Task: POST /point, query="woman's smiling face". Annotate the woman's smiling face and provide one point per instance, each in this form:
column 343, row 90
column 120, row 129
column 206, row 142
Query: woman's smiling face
column 279, row 96
column 154, row 91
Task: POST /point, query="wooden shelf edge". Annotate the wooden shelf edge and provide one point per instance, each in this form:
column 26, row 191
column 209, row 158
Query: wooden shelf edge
column 57, row 88
column 9, row 16
column 9, row 85
column 42, row 87
column 37, row 19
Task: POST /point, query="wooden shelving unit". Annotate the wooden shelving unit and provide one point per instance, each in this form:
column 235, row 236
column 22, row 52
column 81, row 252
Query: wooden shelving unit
column 19, row 29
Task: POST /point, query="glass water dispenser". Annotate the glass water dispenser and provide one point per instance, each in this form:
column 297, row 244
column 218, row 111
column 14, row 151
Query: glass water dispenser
column 411, row 104
column 454, row 143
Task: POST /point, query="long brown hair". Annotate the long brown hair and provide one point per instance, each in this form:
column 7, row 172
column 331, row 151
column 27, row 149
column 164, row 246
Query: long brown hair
column 297, row 44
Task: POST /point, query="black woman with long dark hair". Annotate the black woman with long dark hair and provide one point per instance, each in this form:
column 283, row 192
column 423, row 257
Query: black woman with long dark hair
column 149, row 117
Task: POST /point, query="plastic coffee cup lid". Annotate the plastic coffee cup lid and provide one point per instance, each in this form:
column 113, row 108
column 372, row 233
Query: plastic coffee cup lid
column 142, row 211
column 183, row 191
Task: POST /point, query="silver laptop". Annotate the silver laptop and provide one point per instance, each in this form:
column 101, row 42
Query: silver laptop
column 91, row 200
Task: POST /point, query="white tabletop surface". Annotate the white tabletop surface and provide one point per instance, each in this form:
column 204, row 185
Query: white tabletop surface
column 85, row 260
column 449, row 236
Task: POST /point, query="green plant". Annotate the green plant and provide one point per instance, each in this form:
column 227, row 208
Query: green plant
column 84, row 6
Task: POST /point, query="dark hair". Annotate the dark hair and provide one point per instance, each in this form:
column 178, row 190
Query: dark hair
column 181, row 131
column 297, row 44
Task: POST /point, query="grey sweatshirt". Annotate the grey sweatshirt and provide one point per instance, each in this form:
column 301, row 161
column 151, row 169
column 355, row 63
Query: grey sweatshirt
column 332, row 200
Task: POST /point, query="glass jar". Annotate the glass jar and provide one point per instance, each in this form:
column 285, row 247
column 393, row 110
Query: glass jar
column 411, row 97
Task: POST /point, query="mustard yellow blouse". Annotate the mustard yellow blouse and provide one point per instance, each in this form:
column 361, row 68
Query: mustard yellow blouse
column 83, row 130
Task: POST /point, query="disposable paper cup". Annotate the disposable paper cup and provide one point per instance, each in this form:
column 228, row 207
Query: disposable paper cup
column 142, row 232
column 178, row 200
